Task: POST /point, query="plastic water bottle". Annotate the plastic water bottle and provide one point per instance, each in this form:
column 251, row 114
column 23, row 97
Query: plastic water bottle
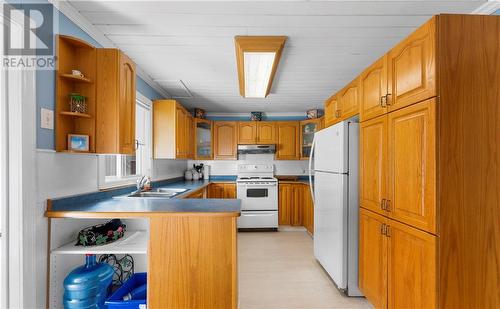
column 87, row 285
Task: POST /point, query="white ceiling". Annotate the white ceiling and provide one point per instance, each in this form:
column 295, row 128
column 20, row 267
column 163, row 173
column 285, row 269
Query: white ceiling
column 329, row 43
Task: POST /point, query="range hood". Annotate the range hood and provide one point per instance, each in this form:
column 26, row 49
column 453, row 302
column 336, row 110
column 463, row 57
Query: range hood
column 256, row 149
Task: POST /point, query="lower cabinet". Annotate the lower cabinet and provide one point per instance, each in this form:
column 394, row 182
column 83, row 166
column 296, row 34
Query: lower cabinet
column 200, row 193
column 222, row 190
column 397, row 263
column 295, row 205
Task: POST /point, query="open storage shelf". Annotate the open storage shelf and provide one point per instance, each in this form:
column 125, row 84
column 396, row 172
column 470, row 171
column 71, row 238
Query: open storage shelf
column 133, row 242
column 75, row 54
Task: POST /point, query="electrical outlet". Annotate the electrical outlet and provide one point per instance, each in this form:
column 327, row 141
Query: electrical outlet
column 47, row 119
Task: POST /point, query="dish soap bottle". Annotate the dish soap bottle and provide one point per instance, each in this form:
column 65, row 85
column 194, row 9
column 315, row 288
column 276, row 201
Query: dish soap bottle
column 87, row 285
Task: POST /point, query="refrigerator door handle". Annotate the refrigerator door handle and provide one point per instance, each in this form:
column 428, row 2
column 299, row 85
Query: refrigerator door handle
column 310, row 169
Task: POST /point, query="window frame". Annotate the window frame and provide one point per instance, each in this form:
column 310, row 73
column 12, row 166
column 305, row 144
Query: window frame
column 146, row 162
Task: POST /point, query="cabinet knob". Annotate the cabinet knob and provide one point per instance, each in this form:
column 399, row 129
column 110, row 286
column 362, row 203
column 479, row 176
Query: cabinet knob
column 383, row 229
column 388, row 205
column 388, row 230
column 382, row 204
column 383, row 101
column 387, row 101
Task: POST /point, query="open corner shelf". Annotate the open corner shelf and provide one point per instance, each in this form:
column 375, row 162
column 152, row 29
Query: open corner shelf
column 76, row 78
column 75, row 42
column 72, row 114
column 133, row 242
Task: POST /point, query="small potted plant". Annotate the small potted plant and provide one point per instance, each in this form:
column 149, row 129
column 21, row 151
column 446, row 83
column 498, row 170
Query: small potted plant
column 77, row 103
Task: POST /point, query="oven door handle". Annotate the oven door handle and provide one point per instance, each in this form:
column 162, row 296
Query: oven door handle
column 258, row 215
column 260, row 186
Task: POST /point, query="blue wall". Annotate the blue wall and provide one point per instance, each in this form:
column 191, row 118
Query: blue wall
column 45, row 81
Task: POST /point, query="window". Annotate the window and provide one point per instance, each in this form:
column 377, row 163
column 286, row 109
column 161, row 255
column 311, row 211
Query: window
column 116, row 170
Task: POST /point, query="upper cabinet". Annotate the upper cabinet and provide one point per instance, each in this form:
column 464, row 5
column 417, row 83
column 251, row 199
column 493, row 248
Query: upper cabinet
column 172, row 131
column 256, row 132
column 225, row 140
column 204, row 139
column 288, row 147
column 373, row 90
column 412, row 68
column 348, row 100
column 307, row 130
column 331, row 111
column 102, row 98
column 115, row 108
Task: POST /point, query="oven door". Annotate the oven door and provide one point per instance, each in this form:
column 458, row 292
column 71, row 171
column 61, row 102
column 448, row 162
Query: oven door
column 258, row 196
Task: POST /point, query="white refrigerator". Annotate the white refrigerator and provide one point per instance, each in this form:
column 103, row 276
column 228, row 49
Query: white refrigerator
column 334, row 165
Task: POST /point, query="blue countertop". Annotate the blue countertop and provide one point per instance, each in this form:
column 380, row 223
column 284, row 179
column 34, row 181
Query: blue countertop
column 107, row 203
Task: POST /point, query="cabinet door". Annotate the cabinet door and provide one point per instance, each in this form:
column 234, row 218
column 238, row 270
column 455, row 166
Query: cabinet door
column 348, row 100
column 412, row 267
column 288, row 141
column 331, row 111
column 230, row 190
column 308, row 217
column 247, row 132
column 266, row 132
column 297, row 206
column 203, row 143
column 216, row 190
column 180, row 132
column 189, row 137
column 412, row 160
column 285, row 197
column 412, row 68
column 373, row 88
column 126, row 105
column 225, row 140
column 373, row 163
column 373, row 258
column 307, row 130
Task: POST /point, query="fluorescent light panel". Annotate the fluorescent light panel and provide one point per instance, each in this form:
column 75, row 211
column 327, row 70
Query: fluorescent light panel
column 258, row 67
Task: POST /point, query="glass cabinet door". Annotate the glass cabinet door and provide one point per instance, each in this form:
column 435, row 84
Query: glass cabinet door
column 203, row 139
column 308, row 128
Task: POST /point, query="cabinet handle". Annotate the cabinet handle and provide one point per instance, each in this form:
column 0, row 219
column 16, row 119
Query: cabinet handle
column 382, row 204
column 387, row 101
column 383, row 101
column 337, row 113
column 382, row 229
column 388, row 205
column 388, row 230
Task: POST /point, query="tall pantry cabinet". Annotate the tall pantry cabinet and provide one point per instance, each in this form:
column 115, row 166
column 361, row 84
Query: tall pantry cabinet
column 430, row 168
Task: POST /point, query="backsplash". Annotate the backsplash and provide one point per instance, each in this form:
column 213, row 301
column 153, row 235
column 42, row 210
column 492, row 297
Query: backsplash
column 230, row 167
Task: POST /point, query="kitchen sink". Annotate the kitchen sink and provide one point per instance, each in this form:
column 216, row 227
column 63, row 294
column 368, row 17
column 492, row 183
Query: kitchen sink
column 155, row 193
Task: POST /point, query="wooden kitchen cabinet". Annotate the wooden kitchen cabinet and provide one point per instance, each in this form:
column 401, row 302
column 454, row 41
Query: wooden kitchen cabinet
column 256, row 132
column 372, row 262
column 115, row 107
column 442, row 149
column 288, row 147
column 172, row 131
column 247, row 132
column 348, row 100
column 200, row 193
column 373, row 90
column 308, row 210
column 373, row 164
column 295, row 206
column 285, row 198
column 203, row 145
column 396, row 263
column 222, row 190
column 411, row 170
column 307, row 130
column 225, row 140
column 331, row 111
column 412, row 68
column 411, row 262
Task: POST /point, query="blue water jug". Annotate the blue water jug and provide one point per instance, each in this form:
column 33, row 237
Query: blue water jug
column 87, row 285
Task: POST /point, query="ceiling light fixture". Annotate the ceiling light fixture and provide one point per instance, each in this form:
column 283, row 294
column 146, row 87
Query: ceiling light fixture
column 257, row 58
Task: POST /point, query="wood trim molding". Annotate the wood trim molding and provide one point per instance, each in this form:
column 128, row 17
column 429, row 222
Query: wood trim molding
column 257, row 44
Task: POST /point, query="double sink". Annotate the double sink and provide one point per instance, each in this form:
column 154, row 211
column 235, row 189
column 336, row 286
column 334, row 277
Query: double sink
column 155, row 193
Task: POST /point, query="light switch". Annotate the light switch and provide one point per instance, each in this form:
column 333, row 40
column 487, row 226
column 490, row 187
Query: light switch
column 47, row 119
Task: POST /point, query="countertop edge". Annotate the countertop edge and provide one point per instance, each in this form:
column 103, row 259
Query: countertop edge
column 144, row 214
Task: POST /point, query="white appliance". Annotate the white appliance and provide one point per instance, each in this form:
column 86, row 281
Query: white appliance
column 335, row 191
column 257, row 188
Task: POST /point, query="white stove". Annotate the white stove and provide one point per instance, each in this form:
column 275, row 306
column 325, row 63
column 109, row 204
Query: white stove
column 257, row 188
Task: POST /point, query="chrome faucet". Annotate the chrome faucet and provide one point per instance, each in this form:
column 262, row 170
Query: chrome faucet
column 141, row 182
